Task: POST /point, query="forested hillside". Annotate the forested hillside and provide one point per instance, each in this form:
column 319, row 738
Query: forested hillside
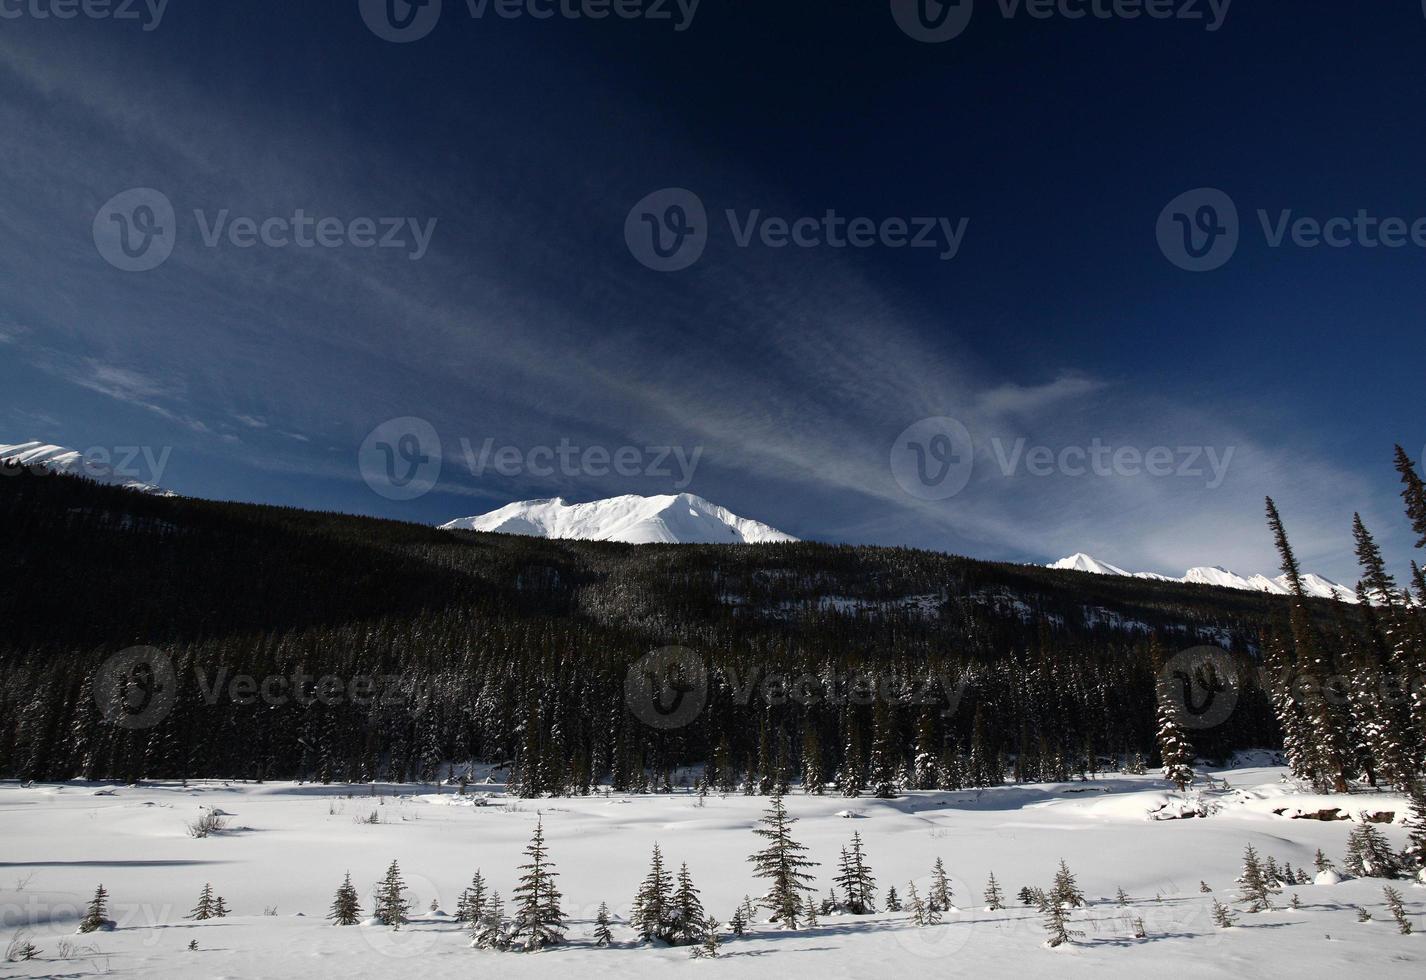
column 516, row 649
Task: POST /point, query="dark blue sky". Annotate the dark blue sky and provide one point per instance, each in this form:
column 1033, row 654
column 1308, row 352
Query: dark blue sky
column 528, row 321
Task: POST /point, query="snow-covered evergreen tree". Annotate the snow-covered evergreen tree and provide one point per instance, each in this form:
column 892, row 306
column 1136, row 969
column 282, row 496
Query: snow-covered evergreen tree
column 346, row 906
column 390, row 906
column 1065, row 890
column 994, row 900
column 538, row 921
column 686, row 923
column 1256, row 890
column 602, row 935
column 1397, row 910
column 1174, row 747
column 855, row 879
column 939, row 898
column 471, row 904
column 204, row 909
column 653, row 905
column 96, row 915
column 893, row 900
column 782, row 863
column 1369, row 853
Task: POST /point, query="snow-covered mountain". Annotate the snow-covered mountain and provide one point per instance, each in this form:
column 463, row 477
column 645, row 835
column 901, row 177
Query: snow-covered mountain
column 64, row 460
column 672, row 519
column 1313, row 585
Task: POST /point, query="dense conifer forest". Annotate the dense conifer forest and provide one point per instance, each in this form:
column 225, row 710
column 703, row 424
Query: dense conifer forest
column 516, row 651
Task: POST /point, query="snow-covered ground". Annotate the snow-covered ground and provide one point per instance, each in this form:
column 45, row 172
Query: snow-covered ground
column 289, row 846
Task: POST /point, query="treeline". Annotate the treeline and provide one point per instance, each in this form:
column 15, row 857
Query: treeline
column 517, row 650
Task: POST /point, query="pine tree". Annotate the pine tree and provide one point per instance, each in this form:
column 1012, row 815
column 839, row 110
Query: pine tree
column 893, row 901
column 204, row 909
column 1066, row 890
column 220, row 908
column 1256, row 889
column 491, row 931
column 688, row 915
column 939, row 898
column 539, row 920
column 96, row 916
column 814, row 776
column 1223, row 916
column 884, row 766
column 708, row 928
column 1331, row 748
column 994, row 900
column 653, row 905
column 1369, row 853
column 1321, row 862
column 782, row 863
column 391, row 907
column 1414, row 494
column 1416, row 840
column 602, row 936
column 472, row 901
column 915, row 906
column 738, row 923
column 1203, row 887
column 346, row 907
column 855, row 879
column 1057, row 925
column 1398, row 911
column 1174, row 746
column 1121, row 898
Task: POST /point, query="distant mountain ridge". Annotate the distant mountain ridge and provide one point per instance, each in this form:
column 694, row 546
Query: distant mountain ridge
column 1313, row 585
column 683, row 518
column 62, row 459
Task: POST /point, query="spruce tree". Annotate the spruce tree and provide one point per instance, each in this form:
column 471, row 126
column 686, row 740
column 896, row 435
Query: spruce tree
column 1369, row 853
column 688, row 915
column 204, row 909
column 914, row 906
column 884, row 768
column 994, row 900
column 472, row 900
column 738, row 923
column 1174, row 746
column 1414, row 494
column 1066, row 890
column 1329, row 737
column 390, row 906
column 1416, row 840
column 782, row 863
column 1398, row 911
column 539, row 920
column 855, row 879
column 1256, row 890
column 708, row 929
column 346, row 907
column 220, row 908
column 96, row 916
column 1057, row 925
column 1121, row 899
column 653, row 905
column 602, row 936
column 939, row 898
column 893, row 901
column 1223, row 916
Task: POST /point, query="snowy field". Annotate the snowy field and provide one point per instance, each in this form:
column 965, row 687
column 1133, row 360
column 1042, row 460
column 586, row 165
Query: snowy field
column 289, row 846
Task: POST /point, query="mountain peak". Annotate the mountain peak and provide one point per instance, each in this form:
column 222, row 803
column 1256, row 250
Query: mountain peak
column 683, row 518
column 1216, row 575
